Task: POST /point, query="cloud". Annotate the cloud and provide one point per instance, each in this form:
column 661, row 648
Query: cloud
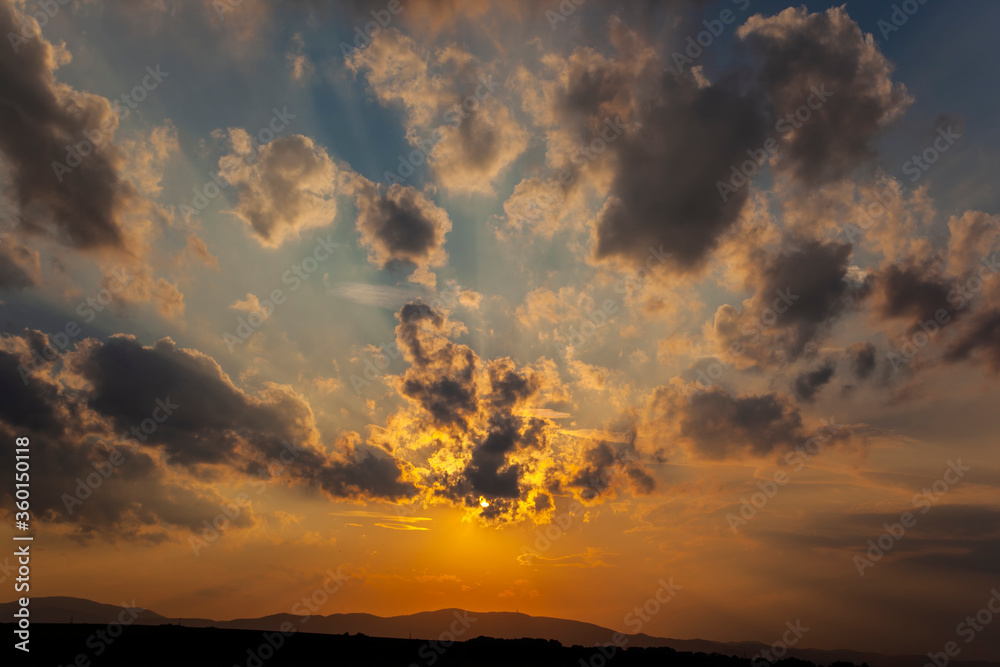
column 197, row 248
column 801, row 53
column 912, row 291
column 383, row 296
column 973, row 236
column 471, row 425
column 251, row 304
column 589, row 558
column 547, row 413
column 862, row 360
column 401, row 226
column 803, row 287
column 474, row 152
column 177, row 421
column 684, row 135
column 400, row 74
column 808, row 383
column 715, row 425
column 299, row 65
column 605, row 463
column 42, row 120
column 283, row 188
column 681, row 143
column 982, row 334
column 452, row 107
column 401, row 526
column 19, row 267
column 146, row 156
column 441, row 376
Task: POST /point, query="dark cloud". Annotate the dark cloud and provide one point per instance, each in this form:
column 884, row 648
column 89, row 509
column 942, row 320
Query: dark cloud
column 721, row 426
column 981, row 334
column 408, row 331
column 130, row 380
column 803, row 288
column 481, row 416
column 214, row 419
column 39, row 121
column 16, row 267
column 912, row 292
column 508, row 386
column 817, row 274
column 401, row 225
column 604, row 462
column 488, row 471
column 362, row 474
column 441, row 378
column 92, row 481
column 862, row 360
column 716, row 425
column 800, row 53
column 685, row 135
column 668, row 163
column 808, row 383
column 171, row 418
column 26, row 404
column 958, row 537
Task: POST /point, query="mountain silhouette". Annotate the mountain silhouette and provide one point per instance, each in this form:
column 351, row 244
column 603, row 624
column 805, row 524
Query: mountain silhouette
column 444, row 624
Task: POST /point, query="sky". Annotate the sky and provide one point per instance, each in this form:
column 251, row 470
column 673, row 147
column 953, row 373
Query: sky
column 509, row 306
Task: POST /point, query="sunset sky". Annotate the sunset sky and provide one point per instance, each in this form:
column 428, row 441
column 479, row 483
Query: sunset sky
column 485, row 311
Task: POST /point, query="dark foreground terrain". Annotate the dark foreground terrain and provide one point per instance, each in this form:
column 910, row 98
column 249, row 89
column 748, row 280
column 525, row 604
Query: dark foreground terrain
column 80, row 645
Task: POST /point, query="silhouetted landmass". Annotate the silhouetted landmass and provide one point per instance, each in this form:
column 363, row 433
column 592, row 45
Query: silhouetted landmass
column 426, row 627
column 57, row 645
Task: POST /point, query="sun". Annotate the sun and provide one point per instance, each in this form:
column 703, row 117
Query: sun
column 483, row 502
